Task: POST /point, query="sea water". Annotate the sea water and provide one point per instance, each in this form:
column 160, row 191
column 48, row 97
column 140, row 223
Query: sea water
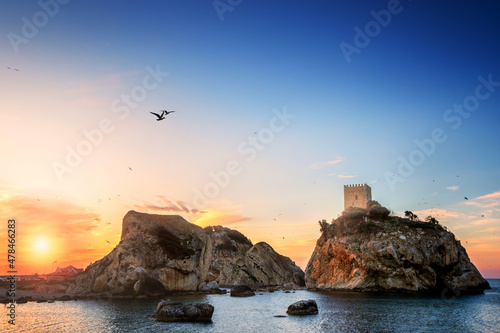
column 338, row 312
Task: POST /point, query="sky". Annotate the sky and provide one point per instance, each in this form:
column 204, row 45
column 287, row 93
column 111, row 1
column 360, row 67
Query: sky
column 278, row 106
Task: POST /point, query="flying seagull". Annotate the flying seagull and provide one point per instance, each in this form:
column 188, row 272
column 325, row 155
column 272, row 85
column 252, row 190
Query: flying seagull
column 163, row 114
column 166, row 112
column 466, row 198
column 158, row 116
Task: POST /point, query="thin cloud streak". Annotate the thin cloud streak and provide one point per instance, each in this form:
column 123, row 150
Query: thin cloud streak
column 319, row 165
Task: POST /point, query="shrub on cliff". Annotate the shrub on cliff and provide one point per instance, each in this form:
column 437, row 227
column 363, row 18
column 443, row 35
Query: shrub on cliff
column 349, row 220
column 377, row 211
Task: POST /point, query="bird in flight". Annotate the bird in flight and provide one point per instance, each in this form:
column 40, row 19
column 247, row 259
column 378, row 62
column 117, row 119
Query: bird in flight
column 163, row 114
column 166, row 112
column 466, row 198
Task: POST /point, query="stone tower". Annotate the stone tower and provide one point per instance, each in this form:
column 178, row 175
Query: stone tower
column 357, row 195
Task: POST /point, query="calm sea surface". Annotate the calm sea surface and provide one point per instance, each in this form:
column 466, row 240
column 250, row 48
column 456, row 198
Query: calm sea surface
column 338, row 312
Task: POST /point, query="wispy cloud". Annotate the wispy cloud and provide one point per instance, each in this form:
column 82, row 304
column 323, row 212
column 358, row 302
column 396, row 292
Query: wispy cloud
column 320, row 165
column 486, row 201
column 36, row 215
column 485, row 221
column 164, row 204
column 490, row 230
column 220, row 212
column 219, row 217
column 453, row 188
column 442, row 214
column 346, row 176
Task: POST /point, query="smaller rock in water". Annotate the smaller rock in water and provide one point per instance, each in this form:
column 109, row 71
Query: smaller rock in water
column 64, row 298
column 22, row 300
column 242, row 291
column 178, row 312
column 304, row 307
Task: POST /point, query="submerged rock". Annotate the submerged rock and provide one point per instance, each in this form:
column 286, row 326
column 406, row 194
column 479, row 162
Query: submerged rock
column 392, row 256
column 242, row 291
column 302, row 308
column 178, row 312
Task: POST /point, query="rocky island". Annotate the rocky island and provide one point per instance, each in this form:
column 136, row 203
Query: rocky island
column 162, row 253
column 368, row 250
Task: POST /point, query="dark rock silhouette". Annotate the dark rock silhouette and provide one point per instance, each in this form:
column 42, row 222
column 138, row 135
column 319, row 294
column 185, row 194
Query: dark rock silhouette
column 242, row 291
column 178, row 312
column 302, row 308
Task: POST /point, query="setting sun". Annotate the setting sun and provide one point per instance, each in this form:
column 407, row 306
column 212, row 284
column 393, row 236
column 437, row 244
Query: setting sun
column 41, row 245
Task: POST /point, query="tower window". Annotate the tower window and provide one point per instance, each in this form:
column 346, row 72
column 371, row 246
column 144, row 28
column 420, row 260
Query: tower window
column 356, row 197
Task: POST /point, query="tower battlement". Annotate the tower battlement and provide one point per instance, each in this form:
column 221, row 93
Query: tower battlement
column 357, row 195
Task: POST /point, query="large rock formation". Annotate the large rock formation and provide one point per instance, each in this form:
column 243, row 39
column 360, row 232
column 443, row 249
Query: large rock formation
column 392, row 256
column 236, row 262
column 168, row 251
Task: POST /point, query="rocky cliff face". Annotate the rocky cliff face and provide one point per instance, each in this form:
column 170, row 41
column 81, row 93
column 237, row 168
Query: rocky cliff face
column 166, row 252
column 235, row 261
column 392, row 256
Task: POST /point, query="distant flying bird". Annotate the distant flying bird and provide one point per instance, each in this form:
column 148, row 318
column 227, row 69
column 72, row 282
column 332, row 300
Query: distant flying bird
column 163, row 114
column 17, row 70
column 166, row 112
column 159, row 117
column 466, row 198
column 108, row 241
column 130, row 168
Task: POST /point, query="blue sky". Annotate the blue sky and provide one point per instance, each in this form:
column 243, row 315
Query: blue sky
column 225, row 79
